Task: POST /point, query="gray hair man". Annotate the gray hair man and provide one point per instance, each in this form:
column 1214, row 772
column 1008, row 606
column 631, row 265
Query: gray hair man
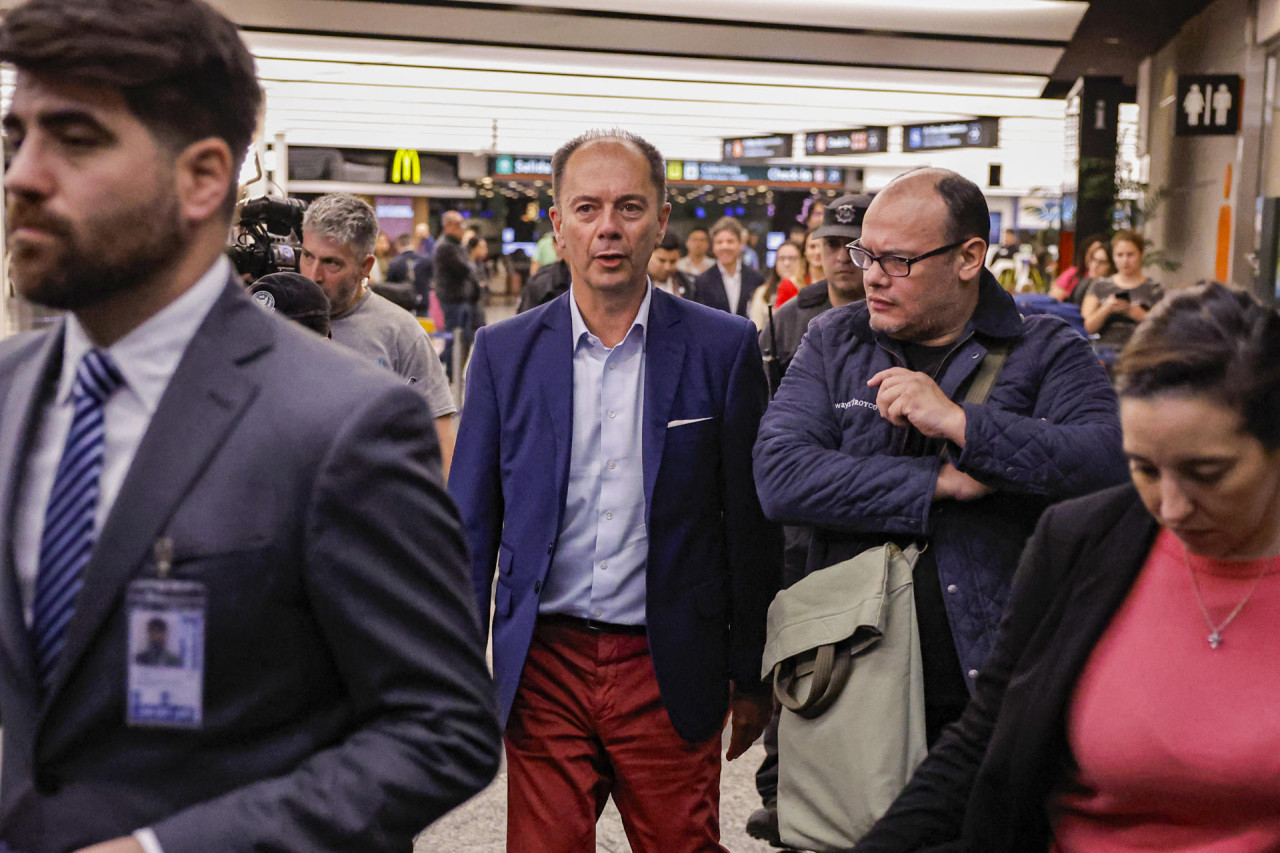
column 338, row 236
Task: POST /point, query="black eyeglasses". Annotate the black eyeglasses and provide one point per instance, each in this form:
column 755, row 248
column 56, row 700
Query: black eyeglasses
column 894, row 265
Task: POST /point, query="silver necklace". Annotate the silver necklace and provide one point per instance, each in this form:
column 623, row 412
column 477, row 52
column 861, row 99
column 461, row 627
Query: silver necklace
column 1215, row 631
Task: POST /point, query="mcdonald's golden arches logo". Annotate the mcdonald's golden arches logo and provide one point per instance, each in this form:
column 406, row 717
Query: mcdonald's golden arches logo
column 406, row 168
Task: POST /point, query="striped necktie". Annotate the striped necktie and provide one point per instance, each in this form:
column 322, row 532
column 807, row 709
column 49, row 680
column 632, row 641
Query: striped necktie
column 69, row 529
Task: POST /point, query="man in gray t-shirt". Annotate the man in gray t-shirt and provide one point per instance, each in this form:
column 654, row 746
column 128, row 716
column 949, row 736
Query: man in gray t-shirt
column 338, row 234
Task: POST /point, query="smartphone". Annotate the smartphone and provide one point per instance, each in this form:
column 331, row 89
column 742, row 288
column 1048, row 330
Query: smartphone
column 1123, row 294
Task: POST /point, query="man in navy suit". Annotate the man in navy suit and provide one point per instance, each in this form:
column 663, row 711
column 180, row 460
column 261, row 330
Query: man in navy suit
column 175, row 461
column 730, row 283
column 603, row 466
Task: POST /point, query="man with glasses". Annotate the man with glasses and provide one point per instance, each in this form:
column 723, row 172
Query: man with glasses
column 867, row 441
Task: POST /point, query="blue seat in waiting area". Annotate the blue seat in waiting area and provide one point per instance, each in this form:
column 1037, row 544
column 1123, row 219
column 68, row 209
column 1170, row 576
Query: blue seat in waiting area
column 1040, row 303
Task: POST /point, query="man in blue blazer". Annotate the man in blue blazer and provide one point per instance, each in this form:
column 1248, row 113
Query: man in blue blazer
column 729, row 284
column 603, row 467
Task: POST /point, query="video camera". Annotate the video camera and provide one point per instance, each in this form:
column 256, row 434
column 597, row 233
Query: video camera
column 270, row 237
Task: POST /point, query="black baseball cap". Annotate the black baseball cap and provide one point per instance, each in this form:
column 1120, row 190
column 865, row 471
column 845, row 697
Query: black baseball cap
column 843, row 217
column 296, row 297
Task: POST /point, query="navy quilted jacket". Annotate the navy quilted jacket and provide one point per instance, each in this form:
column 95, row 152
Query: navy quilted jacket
column 1049, row 431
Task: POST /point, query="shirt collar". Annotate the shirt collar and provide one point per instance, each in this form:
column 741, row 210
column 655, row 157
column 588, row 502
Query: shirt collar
column 580, row 326
column 724, row 273
column 148, row 356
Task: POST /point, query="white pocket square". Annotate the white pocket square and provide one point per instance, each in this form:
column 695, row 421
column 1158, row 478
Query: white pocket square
column 673, row 424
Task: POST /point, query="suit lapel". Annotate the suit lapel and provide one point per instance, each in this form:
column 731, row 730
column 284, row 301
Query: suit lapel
column 33, row 380
column 203, row 401
column 664, row 358
column 552, row 359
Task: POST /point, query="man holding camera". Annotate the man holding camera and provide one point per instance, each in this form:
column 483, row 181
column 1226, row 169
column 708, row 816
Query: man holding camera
column 170, row 451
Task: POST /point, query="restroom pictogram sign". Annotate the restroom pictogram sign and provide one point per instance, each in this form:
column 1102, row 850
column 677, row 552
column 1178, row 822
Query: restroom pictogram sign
column 1208, row 105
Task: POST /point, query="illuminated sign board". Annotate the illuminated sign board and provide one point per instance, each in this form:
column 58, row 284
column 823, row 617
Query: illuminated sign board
column 781, row 175
column 855, row 140
column 757, row 148
column 975, row 133
column 513, row 166
column 406, row 167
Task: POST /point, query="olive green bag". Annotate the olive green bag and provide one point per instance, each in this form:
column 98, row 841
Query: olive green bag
column 844, row 655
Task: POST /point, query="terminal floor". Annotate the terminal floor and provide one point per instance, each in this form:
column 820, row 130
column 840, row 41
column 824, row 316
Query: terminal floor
column 479, row 826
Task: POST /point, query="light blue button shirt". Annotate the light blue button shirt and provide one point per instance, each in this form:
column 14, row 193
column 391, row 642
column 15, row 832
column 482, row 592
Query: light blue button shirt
column 598, row 571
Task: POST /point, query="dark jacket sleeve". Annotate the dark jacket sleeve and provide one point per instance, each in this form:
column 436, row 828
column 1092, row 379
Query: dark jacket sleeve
column 452, row 271
column 1070, row 445
column 754, row 544
column 384, row 576
column 804, row 477
column 930, row 812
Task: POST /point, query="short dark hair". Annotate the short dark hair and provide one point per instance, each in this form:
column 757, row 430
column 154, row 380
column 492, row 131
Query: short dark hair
column 670, row 242
column 695, row 229
column 967, row 212
column 966, row 208
column 1210, row 339
column 657, row 165
column 180, row 64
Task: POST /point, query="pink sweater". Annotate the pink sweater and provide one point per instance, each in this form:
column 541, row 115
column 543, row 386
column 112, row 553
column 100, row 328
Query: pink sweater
column 1178, row 744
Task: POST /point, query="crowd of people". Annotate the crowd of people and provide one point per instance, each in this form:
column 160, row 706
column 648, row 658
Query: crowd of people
column 249, row 580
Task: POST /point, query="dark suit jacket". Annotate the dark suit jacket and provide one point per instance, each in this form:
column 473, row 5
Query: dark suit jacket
column 986, row 784
column 346, row 698
column 708, row 289
column 713, row 558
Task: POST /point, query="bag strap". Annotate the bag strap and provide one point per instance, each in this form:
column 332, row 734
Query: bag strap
column 831, row 667
column 988, row 372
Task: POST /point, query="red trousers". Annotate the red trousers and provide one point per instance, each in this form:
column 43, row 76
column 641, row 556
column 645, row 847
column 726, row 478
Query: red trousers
column 587, row 724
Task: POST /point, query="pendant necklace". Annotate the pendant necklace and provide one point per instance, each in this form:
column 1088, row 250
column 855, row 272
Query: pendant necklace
column 1215, row 631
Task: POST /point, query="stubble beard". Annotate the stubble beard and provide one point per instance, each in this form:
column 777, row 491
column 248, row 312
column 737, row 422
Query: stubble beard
column 109, row 257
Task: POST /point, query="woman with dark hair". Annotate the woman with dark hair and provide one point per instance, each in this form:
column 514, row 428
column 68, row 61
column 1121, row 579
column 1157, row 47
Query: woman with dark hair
column 788, row 268
column 1113, row 307
column 813, row 257
column 1133, row 701
column 1094, row 262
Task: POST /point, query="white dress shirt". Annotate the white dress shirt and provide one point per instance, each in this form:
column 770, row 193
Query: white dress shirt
column 598, row 571
column 146, row 358
column 732, row 285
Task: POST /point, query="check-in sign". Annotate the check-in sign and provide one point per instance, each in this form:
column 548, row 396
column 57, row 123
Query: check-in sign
column 406, row 168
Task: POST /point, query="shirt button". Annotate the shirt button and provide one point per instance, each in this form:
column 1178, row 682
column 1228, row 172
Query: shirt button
column 973, row 673
column 604, row 567
column 953, row 589
column 597, row 612
column 608, row 516
column 612, row 413
column 612, row 464
column 613, row 367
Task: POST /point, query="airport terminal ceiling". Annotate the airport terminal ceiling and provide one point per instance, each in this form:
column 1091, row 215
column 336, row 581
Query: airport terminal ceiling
column 524, row 76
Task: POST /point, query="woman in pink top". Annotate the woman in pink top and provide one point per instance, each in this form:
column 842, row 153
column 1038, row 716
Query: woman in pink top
column 1133, row 700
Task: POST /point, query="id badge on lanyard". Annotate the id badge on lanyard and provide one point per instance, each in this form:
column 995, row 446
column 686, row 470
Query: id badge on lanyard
column 166, row 620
